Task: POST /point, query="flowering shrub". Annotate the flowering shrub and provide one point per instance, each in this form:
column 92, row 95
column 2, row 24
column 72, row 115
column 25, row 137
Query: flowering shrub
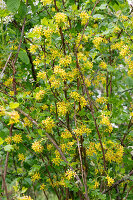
column 66, row 111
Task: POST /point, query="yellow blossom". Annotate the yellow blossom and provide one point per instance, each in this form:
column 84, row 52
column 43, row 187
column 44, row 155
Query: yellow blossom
column 8, row 140
column 27, row 122
column 8, row 82
column 37, row 147
column 46, row 2
column 97, row 41
column 70, row 174
column 60, row 17
column 59, row 71
column 65, row 61
column 42, row 187
column 103, row 65
column 84, row 16
column 55, row 83
column 17, row 138
column 24, row 198
column 96, row 184
column 110, row 181
column 41, row 75
column 101, row 100
column 49, row 124
column 39, row 95
column 33, row 48
column 124, row 51
column 66, row 134
column 49, row 147
column 81, row 130
column 44, row 107
column 35, row 177
column 62, row 108
column 21, row 157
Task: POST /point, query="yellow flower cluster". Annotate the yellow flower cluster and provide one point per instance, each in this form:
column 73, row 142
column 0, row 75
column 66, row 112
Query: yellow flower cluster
column 59, row 71
column 47, row 32
column 96, row 184
column 42, row 187
column 65, row 61
column 21, row 157
column 103, row 65
column 81, row 130
column 81, row 56
column 37, row 31
column 8, row 140
column 101, row 100
column 72, row 74
column 75, row 96
column 70, row 174
column 49, row 147
column 39, row 95
column 110, row 181
column 66, row 134
column 89, row 65
column 44, row 107
column 55, row 83
column 123, row 18
column 14, row 117
column 91, row 150
column 57, row 159
column 2, row 111
column 129, row 62
column 33, row 48
column 97, row 41
column 46, row 2
column 84, row 17
column 114, row 152
column 27, row 122
column 117, row 45
column 24, row 198
column 8, row 82
column 17, row 138
column 37, row 61
column 35, row 177
column 105, row 121
column 60, row 18
column 41, row 75
column 62, row 108
column 49, row 124
column 37, row 147
column 124, row 51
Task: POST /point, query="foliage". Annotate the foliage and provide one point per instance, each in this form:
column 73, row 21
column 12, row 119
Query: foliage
column 66, row 110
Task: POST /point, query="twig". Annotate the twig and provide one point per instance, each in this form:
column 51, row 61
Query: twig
column 2, row 73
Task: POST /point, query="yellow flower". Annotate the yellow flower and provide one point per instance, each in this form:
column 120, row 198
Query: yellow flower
column 24, row 198
column 59, row 71
column 37, row 147
column 27, row 122
column 84, row 16
column 65, row 61
column 44, row 107
column 33, row 48
column 60, row 17
column 41, row 75
column 96, row 184
column 21, row 156
column 35, row 177
column 39, row 95
column 8, row 140
column 110, row 181
column 42, row 187
column 46, row 2
column 101, row 100
column 17, row 138
column 66, row 134
column 14, row 117
column 103, row 65
column 70, row 174
column 8, row 82
column 49, row 124
column 97, row 41
column 62, row 108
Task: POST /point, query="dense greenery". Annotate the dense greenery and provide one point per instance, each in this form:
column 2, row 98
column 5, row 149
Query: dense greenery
column 66, row 111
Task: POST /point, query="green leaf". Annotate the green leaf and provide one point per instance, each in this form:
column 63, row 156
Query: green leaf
column 8, row 147
column 98, row 16
column 23, row 56
column 1, row 141
column 13, row 5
